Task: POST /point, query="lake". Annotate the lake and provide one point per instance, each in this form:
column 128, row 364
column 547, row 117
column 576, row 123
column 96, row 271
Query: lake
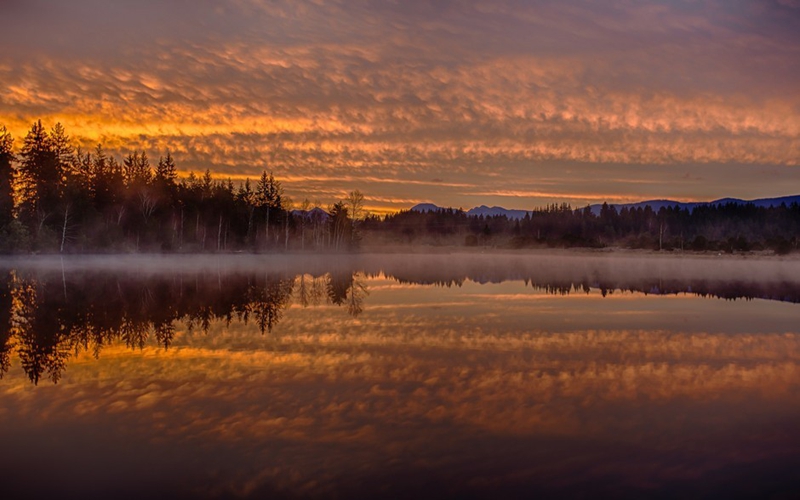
column 363, row 376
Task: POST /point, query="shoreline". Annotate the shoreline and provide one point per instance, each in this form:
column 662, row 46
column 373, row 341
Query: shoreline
column 607, row 251
column 431, row 255
column 425, row 250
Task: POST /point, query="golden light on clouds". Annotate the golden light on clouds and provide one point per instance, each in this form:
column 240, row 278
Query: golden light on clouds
column 525, row 90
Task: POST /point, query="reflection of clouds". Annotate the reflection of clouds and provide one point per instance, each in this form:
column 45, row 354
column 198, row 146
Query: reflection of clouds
column 404, row 382
column 418, row 91
column 481, row 374
column 483, row 382
column 275, row 407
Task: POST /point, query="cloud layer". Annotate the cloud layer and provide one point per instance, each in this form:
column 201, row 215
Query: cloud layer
column 514, row 102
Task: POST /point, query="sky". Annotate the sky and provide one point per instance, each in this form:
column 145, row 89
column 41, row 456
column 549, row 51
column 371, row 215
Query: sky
column 460, row 103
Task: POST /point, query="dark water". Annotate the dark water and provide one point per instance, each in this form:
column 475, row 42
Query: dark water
column 467, row 376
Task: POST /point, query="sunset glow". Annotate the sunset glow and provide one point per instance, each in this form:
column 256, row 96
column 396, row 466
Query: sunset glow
column 513, row 102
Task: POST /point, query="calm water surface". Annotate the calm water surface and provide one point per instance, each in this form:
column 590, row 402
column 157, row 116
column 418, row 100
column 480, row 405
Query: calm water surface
column 399, row 376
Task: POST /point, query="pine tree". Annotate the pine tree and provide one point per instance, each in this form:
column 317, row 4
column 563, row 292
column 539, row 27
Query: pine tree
column 40, row 177
column 268, row 195
column 62, row 148
column 101, row 179
column 246, row 197
column 166, row 172
column 137, row 171
column 6, row 177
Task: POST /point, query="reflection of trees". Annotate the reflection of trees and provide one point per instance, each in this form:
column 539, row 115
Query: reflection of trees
column 337, row 286
column 269, row 302
column 5, row 322
column 358, row 292
column 42, row 342
column 303, row 287
column 555, row 283
column 310, row 289
column 347, row 289
column 44, row 319
column 729, row 290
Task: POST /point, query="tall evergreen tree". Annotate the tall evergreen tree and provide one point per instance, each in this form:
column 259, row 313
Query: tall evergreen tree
column 101, row 179
column 6, row 177
column 81, row 169
column 40, row 178
column 247, row 198
column 62, row 147
column 268, row 195
column 136, row 170
column 166, row 172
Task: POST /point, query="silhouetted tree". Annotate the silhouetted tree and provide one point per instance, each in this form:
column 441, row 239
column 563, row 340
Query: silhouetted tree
column 269, row 193
column 339, row 226
column 40, row 179
column 6, row 305
column 6, row 178
column 62, row 199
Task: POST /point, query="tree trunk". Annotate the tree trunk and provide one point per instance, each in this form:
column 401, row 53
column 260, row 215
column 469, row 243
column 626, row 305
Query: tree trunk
column 219, row 235
column 180, row 243
column 267, row 235
column 64, row 229
column 249, row 222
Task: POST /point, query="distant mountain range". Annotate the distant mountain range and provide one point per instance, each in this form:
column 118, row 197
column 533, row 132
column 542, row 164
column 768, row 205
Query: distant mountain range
column 657, row 204
column 481, row 210
column 653, row 204
column 314, row 213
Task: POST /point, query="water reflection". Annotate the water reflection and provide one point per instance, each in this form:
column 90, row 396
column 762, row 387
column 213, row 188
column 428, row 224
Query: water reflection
column 47, row 317
column 364, row 380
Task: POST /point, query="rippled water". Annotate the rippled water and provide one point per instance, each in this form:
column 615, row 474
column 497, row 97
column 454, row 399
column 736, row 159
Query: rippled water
column 400, row 376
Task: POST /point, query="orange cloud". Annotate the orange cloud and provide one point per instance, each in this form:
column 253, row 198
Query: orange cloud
column 417, row 94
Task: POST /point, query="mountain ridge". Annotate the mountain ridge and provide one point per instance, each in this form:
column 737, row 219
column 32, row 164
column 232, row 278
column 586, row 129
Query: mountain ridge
column 653, row 204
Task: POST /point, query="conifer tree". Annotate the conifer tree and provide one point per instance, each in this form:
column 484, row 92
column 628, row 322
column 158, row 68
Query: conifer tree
column 40, row 178
column 6, row 178
column 268, row 194
column 62, row 147
column 166, row 172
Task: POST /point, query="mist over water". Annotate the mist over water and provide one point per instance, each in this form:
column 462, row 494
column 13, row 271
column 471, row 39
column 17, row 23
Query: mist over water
column 438, row 375
column 491, row 267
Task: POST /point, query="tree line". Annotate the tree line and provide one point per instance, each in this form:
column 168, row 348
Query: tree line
column 55, row 197
column 726, row 227
column 47, row 319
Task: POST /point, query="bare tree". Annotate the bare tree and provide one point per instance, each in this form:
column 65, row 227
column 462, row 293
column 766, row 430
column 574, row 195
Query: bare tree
column 147, row 204
column 287, row 207
column 357, row 293
column 355, row 205
column 303, row 290
column 305, row 206
column 64, row 228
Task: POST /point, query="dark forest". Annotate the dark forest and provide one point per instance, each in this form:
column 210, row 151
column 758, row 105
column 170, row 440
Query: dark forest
column 57, row 198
